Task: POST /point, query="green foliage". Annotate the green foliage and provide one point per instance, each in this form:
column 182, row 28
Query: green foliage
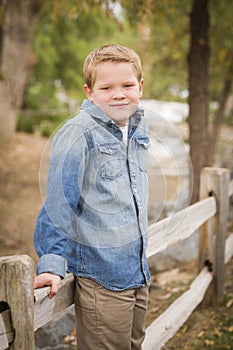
column 158, row 30
column 65, row 34
column 163, row 27
column 221, row 44
column 167, row 48
column 44, row 124
column 41, row 95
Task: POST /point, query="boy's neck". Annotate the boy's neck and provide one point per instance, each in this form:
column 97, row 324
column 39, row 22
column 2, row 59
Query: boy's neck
column 121, row 124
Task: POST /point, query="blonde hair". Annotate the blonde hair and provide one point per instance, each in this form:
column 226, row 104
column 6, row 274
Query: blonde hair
column 110, row 53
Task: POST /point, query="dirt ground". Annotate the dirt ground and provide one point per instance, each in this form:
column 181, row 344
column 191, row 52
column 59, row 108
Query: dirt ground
column 20, row 201
column 20, row 198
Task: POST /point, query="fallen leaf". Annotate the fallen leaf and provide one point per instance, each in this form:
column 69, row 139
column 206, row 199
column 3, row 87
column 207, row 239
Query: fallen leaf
column 154, row 309
column 184, row 329
column 217, row 332
column 229, row 303
column 164, row 297
column 208, row 342
column 200, row 334
column 69, row 339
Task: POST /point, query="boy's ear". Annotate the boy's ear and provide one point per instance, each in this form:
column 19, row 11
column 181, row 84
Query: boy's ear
column 88, row 92
column 141, row 84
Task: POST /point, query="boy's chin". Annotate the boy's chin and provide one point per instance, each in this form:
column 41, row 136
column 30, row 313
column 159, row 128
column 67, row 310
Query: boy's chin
column 121, row 116
column 121, row 120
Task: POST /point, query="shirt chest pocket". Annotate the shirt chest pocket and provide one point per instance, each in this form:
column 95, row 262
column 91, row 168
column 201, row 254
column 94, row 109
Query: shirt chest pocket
column 111, row 166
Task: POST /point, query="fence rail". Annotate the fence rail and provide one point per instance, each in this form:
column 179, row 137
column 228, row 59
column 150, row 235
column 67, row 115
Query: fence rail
column 22, row 310
column 180, row 225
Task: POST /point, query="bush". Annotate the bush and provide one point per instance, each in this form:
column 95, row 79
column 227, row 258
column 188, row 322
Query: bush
column 44, row 124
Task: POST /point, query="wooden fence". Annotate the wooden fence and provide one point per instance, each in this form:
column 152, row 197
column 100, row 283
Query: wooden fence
column 23, row 310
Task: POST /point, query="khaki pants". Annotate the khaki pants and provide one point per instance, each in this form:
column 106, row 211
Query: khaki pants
column 109, row 320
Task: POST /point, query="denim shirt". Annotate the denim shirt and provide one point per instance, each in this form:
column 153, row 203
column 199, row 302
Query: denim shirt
column 94, row 219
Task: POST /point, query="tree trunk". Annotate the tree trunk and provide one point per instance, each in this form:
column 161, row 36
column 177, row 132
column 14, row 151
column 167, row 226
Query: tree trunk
column 217, row 120
column 198, row 90
column 16, row 59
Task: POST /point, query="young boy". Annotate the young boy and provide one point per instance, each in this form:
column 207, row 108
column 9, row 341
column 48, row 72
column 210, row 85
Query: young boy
column 95, row 214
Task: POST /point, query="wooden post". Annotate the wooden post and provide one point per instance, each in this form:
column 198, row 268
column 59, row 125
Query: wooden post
column 16, row 290
column 214, row 182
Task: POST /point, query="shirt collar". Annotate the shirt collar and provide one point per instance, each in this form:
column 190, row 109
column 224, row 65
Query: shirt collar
column 97, row 113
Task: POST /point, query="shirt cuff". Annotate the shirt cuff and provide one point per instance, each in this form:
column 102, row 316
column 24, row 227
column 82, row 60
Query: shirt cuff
column 52, row 263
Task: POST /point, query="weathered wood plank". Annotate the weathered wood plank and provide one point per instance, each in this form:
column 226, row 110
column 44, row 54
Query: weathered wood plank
column 46, row 309
column 228, row 248
column 167, row 324
column 16, row 289
column 3, row 335
column 230, row 190
column 6, row 330
column 180, row 225
column 215, row 181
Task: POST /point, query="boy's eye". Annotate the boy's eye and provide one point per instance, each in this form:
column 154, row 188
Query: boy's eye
column 129, row 85
column 105, row 88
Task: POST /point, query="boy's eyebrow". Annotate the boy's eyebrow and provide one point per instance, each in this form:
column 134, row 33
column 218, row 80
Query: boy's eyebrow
column 129, row 82
column 111, row 82
column 104, row 84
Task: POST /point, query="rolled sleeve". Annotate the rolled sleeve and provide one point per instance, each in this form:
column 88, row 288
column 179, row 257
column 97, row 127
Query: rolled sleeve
column 52, row 263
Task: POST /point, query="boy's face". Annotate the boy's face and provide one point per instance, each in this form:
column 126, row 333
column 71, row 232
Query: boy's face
column 116, row 90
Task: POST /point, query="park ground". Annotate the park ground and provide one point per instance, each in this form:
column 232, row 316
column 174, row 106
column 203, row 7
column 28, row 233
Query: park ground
column 20, row 201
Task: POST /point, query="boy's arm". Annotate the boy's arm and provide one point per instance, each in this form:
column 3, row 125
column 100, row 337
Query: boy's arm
column 54, row 223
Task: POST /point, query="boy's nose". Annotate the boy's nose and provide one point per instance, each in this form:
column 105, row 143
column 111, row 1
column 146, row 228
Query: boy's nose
column 118, row 94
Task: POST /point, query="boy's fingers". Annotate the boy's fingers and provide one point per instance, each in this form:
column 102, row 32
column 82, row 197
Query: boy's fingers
column 48, row 279
column 54, row 287
column 40, row 281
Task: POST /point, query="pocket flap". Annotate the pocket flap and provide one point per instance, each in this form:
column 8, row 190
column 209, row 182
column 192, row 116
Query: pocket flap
column 109, row 147
column 143, row 140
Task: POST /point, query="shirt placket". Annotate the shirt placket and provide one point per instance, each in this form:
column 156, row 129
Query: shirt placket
column 138, row 203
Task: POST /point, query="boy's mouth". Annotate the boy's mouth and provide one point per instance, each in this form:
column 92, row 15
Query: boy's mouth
column 119, row 105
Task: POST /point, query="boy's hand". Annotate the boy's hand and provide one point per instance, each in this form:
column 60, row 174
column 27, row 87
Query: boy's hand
column 48, row 279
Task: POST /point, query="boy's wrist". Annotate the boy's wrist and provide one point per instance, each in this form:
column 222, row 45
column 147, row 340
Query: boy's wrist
column 52, row 263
